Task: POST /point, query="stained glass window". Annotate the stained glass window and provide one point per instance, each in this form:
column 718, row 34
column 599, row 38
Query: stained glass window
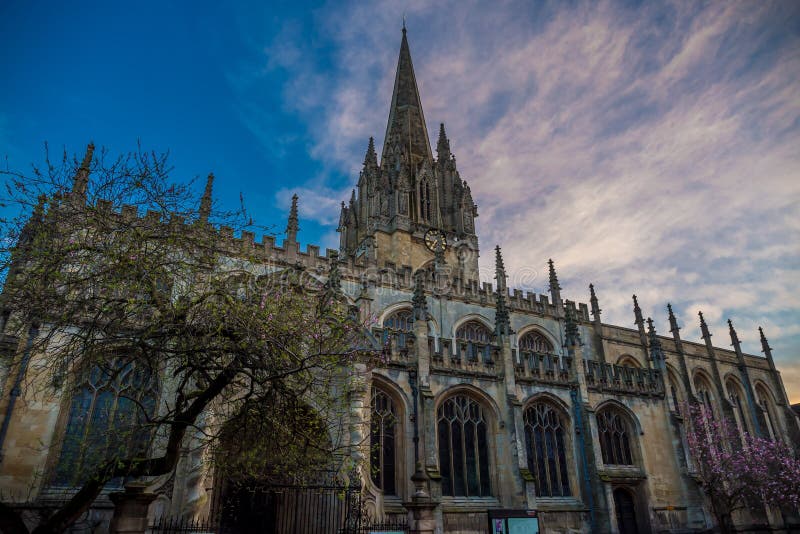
column 107, row 419
column 615, row 437
column 383, row 450
column 546, row 444
column 463, row 448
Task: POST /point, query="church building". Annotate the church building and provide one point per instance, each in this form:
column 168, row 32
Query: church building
column 487, row 397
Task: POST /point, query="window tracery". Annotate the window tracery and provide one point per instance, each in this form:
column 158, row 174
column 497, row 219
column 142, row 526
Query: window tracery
column 473, row 338
column 399, row 324
column 383, row 446
column 615, row 437
column 704, row 394
column 106, row 419
column 463, row 448
column 546, row 443
column 535, row 342
column 734, row 395
column 767, row 409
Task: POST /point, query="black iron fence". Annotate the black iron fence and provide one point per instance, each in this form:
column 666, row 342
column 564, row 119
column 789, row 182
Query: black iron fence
column 366, row 526
column 309, row 509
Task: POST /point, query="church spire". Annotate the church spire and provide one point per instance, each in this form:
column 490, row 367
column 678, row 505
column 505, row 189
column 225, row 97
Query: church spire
column 406, row 127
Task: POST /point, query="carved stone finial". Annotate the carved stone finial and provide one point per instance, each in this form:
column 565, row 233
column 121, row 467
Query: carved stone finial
column 502, row 322
column 572, row 337
column 81, row 181
column 293, row 223
column 205, row 201
column 656, row 351
column 673, row 322
column 371, row 158
column 637, row 312
column 443, row 145
column 765, row 348
column 703, row 326
column 555, row 289
column 334, row 282
column 594, row 303
column 734, row 335
column 500, row 269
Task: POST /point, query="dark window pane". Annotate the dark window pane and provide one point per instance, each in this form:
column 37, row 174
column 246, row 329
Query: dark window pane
column 459, row 486
column 552, row 468
column 562, row 458
column 472, row 468
column 483, row 455
column 445, row 458
column 541, row 465
column 388, row 460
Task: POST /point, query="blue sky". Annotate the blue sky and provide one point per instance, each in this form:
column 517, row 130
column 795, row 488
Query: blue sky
column 648, row 147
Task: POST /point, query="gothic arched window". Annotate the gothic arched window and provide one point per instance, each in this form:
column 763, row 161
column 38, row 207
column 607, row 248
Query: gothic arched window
column 765, row 402
column 383, row 447
column 675, row 393
column 399, row 324
column 400, row 320
column 735, row 396
column 615, row 437
column 463, row 448
column 534, row 347
column 703, row 389
column 473, row 338
column 535, row 342
column 107, row 416
column 546, row 443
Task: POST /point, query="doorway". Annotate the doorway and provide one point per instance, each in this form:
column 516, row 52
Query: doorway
column 626, row 511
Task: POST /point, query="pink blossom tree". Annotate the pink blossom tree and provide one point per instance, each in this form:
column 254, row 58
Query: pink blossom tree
column 737, row 471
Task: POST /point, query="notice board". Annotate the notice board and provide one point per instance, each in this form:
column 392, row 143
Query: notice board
column 513, row 521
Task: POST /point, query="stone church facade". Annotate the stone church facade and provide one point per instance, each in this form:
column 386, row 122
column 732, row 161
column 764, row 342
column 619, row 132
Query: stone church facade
column 487, row 397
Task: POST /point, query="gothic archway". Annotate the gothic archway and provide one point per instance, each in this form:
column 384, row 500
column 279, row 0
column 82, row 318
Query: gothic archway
column 625, row 510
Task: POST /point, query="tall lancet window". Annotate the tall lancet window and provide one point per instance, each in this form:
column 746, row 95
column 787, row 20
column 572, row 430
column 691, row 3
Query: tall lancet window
column 703, row 389
column 735, row 396
column 107, row 419
column 765, row 402
column 615, row 437
column 383, row 447
column 546, row 439
column 463, row 448
column 425, row 201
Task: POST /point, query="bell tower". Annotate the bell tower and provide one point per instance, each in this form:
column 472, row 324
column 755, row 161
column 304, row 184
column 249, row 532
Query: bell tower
column 410, row 207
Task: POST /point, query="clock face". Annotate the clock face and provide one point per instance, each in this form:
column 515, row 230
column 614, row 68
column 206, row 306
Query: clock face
column 435, row 240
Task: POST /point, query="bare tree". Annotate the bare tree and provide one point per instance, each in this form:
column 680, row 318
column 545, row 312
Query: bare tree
column 128, row 279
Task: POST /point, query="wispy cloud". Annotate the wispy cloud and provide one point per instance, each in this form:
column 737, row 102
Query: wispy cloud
column 648, row 149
